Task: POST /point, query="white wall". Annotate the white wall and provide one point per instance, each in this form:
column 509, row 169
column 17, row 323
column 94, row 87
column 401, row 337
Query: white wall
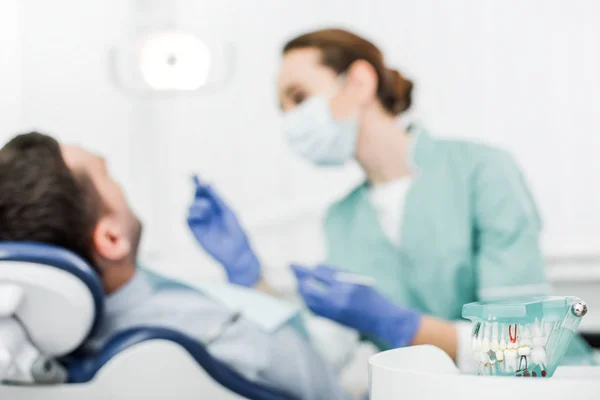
column 10, row 65
column 55, row 78
column 65, row 82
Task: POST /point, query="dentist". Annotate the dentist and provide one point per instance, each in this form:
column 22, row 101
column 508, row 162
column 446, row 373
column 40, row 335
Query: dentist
column 437, row 223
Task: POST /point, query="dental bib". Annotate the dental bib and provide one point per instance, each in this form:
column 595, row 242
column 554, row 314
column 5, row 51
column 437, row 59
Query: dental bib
column 523, row 337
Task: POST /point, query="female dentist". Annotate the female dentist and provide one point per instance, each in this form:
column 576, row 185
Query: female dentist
column 436, row 224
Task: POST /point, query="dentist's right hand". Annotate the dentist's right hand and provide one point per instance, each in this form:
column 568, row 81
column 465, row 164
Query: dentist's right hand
column 217, row 229
column 357, row 306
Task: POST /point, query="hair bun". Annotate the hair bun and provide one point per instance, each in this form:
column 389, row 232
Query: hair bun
column 398, row 91
column 340, row 48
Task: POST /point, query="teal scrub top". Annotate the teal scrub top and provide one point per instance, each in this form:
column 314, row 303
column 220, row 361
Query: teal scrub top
column 470, row 231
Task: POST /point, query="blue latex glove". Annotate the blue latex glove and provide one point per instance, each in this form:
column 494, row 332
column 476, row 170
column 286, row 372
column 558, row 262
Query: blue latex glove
column 356, row 306
column 217, row 229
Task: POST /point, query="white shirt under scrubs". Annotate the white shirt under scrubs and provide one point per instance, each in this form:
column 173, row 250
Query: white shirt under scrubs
column 388, row 200
column 282, row 360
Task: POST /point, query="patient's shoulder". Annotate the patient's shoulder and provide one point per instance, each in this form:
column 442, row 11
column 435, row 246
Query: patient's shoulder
column 173, row 306
column 184, row 310
column 179, row 302
column 172, row 299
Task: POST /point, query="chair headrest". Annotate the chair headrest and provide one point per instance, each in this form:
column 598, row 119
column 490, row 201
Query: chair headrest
column 60, row 258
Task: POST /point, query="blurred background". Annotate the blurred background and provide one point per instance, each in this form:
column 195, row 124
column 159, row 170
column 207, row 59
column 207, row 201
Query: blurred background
column 524, row 75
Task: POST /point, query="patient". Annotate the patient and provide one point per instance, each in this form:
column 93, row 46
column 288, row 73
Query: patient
column 64, row 195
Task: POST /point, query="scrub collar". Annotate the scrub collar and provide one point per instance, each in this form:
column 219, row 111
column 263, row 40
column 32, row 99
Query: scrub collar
column 414, row 132
column 421, row 154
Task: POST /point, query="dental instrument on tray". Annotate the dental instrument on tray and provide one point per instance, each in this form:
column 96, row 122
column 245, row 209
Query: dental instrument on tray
column 356, row 279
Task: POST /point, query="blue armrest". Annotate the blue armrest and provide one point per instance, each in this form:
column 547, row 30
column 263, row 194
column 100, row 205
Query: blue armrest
column 83, row 368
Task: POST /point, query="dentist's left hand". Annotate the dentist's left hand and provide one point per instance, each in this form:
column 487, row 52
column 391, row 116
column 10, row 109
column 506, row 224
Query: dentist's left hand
column 217, row 229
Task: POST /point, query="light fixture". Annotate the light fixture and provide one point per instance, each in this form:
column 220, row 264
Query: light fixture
column 174, row 61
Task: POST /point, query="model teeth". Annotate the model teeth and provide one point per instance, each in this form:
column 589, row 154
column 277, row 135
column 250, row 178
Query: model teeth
column 485, row 345
column 525, row 337
column 536, row 329
column 475, row 344
column 538, row 355
column 494, row 344
column 523, row 351
column 510, row 357
column 503, row 349
column 484, row 358
column 500, row 356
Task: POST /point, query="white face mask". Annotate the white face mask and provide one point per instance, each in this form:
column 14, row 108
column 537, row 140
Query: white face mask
column 316, row 135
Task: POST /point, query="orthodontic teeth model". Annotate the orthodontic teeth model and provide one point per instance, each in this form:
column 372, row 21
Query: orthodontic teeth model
column 494, row 343
column 523, row 338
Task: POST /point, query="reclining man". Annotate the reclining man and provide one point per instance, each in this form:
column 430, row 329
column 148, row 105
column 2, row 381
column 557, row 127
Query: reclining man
column 64, row 196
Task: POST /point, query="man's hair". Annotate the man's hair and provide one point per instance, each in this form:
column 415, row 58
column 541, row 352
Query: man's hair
column 42, row 200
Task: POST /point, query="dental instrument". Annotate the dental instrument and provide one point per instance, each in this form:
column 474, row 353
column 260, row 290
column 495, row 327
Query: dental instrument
column 355, row 279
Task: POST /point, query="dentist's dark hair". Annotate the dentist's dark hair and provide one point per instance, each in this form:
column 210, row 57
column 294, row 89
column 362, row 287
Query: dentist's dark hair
column 42, row 200
column 340, row 48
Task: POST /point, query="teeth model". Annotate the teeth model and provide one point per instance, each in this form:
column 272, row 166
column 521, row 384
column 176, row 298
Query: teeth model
column 485, row 345
column 494, row 344
column 513, row 337
column 475, row 342
column 485, row 333
column 521, row 336
column 502, row 342
column 500, row 356
column 484, row 358
column 523, row 364
column 510, row 358
column 538, row 355
column 525, row 337
column 539, row 341
column 522, row 352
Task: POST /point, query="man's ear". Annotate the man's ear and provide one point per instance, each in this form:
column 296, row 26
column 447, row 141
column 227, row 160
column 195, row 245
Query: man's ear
column 362, row 81
column 110, row 241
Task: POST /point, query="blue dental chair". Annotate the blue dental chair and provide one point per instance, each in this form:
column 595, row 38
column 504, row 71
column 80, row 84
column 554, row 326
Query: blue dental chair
column 51, row 300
